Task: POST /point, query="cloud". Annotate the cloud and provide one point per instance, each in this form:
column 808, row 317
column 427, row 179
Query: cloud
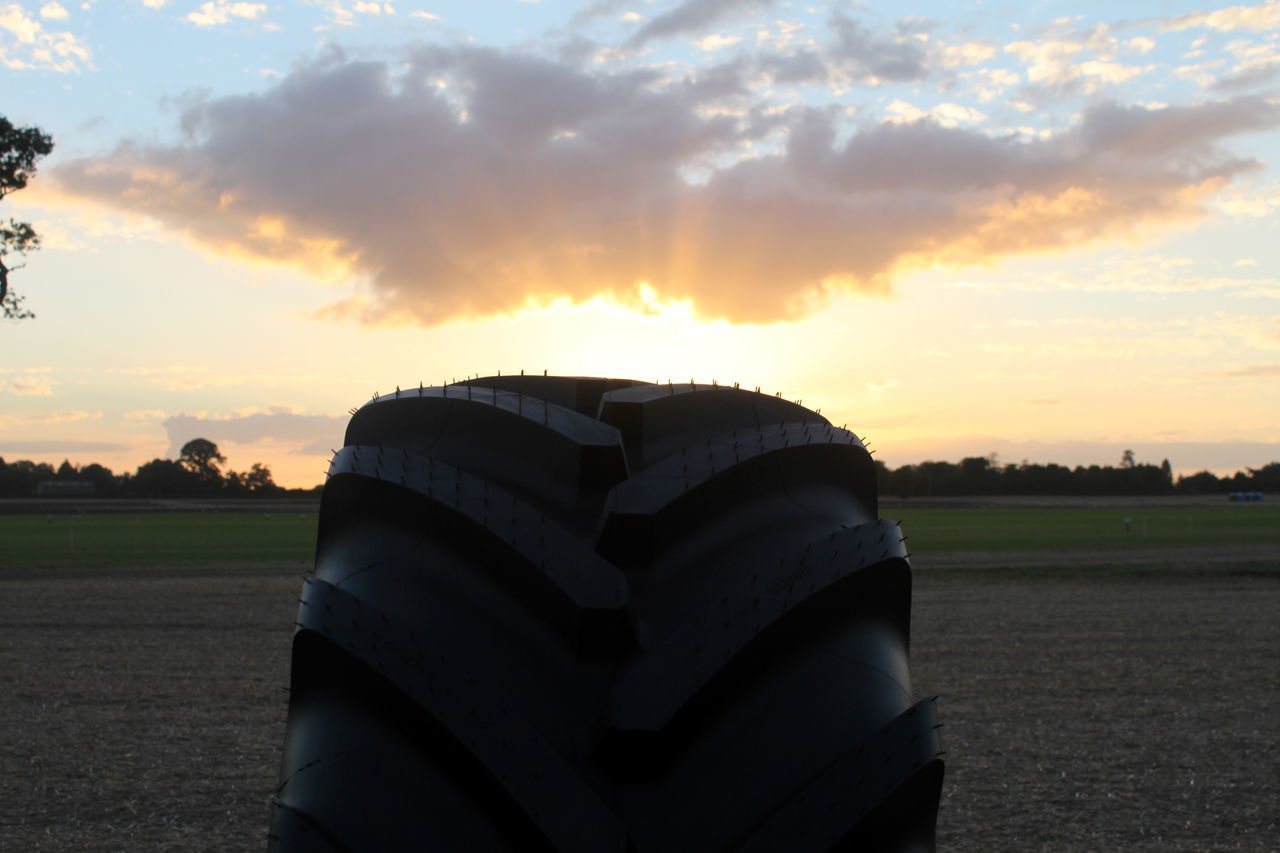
column 338, row 14
column 53, row 11
column 49, row 418
column 944, row 114
column 1250, row 201
column 1200, row 72
column 32, row 386
column 967, row 53
column 1263, row 292
column 215, row 13
column 716, row 42
column 304, row 434
column 182, row 377
column 1256, row 65
column 473, row 181
column 987, row 84
column 600, row 9
column 25, row 45
column 1257, row 74
column 690, row 17
column 167, row 370
column 195, row 383
column 795, row 67
column 1142, row 274
column 1252, row 371
column 1055, row 68
column 1262, row 17
column 862, row 53
column 63, row 447
column 1261, row 333
column 1140, row 44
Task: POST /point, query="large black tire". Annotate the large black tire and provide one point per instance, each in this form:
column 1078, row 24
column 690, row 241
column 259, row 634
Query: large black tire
column 557, row 613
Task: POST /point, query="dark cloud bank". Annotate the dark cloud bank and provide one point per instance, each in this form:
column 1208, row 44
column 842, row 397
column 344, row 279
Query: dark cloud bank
column 310, row 434
column 470, row 181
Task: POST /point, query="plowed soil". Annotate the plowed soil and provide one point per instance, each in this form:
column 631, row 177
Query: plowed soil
column 1085, row 710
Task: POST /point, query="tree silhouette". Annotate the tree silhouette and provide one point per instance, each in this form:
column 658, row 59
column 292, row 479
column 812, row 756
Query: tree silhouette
column 20, row 148
column 164, row 478
column 201, row 457
column 258, row 479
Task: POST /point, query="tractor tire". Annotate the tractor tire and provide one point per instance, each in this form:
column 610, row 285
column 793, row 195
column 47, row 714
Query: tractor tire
column 578, row 614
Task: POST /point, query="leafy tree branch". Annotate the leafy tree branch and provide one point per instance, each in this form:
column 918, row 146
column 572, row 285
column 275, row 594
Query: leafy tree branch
column 20, row 148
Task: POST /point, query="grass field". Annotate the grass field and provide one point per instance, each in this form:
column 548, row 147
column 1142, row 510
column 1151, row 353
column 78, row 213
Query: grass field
column 152, row 539
column 947, row 530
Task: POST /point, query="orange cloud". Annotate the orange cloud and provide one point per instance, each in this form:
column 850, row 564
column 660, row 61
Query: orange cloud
column 32, row 386
column 49, row 418
column 523, row 180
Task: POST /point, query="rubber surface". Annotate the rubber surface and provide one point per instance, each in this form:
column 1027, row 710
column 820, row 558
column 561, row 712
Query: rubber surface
column 579, row 614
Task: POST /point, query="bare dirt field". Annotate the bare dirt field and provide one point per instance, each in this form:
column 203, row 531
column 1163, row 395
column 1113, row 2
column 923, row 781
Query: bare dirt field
column 890, row 502
column 1187, row 559
column 1121, row 712
column 1090, row 710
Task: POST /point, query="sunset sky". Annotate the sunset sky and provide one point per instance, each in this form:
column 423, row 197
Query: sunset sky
column 1043, row 230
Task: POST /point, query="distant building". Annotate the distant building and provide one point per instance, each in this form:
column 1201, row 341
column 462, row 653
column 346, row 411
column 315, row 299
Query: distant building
column 1238, row 497
column 66, row 489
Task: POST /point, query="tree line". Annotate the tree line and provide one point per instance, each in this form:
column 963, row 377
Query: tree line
column 983, row 475
column 197, row 472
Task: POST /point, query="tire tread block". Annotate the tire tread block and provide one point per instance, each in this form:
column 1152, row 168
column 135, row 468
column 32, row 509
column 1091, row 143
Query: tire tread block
column 475, row 400
column 675, row 669
column 582, row 576
column 655, row 420
column 303, row 833
column 580, row 393
column 554, row 456
column 662, row 483
column 853, row 786
column 724, row 483
column 552, row 793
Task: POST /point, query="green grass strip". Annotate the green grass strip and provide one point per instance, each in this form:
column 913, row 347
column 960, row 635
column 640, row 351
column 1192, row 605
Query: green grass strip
column 155, row 539
column 158, row 539
column 951, row 530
